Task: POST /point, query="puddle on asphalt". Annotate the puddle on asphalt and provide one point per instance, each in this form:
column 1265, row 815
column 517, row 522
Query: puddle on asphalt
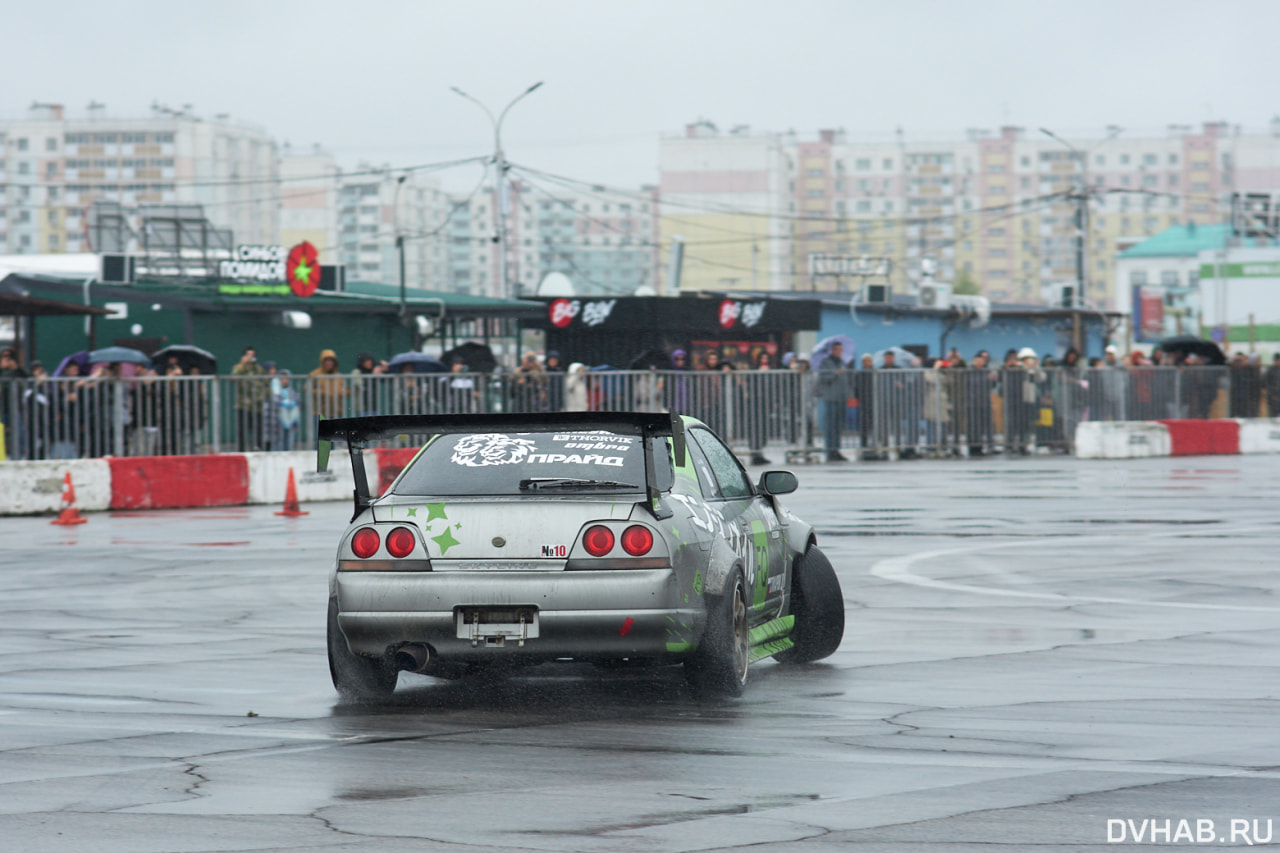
column 374, row 794
column 1003, row 637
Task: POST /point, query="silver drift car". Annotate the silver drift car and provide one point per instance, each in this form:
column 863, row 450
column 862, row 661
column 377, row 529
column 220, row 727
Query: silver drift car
column 613, row 538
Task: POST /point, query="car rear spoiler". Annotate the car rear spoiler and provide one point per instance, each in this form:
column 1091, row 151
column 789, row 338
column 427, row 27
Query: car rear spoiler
column 357, row 432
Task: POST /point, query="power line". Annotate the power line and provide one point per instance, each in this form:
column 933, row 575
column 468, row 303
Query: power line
column 643, row 243
column 715, row 207
column 337, row 176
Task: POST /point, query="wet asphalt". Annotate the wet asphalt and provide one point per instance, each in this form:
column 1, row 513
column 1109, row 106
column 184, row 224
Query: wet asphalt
column 1038, row 650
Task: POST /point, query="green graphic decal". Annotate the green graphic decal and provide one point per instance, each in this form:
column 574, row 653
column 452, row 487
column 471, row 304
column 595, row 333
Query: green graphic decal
column 697, row 582
column 678, row 637
column 760, row 541
column 445, row 540
column 435, row 511
column 772, row 629
column 771, row 648
column 413, row 512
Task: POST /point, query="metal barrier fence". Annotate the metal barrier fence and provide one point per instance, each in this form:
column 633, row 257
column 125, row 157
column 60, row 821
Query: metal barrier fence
column 899, row 412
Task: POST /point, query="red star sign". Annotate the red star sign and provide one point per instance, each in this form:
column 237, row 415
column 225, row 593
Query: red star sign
column 302, row 268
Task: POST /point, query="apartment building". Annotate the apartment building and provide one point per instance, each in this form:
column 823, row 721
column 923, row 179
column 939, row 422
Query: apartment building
column 310, row 185
column 728, row 198
column 997, row 208
column 379, row 205
column 53, row 167
column 604, row 240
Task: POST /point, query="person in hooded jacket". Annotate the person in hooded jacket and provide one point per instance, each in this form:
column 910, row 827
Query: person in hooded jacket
column 554, row 369
column 679, row 388
column 364, row 390
column 575, row 388
column 328, row 387
column 1071, row 398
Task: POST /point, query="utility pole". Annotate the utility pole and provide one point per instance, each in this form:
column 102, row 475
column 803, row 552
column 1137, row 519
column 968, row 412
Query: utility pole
column 1081, row 195
column 395, row 211
column 500, row 168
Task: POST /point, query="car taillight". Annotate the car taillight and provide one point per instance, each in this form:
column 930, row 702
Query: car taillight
column 400, row 542
column 365, row 543
column 598, row 540
column 637, row 540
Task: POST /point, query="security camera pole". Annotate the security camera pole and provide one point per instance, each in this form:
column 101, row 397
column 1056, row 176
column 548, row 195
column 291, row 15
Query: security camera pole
column 500, row 170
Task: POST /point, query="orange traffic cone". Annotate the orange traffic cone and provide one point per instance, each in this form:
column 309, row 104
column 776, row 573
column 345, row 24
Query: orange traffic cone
column 69, row 514
column 291, row 498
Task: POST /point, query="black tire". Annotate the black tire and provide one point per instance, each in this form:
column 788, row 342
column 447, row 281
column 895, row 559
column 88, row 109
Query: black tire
column 356, row 676
column 718, row 668
column 818, row 605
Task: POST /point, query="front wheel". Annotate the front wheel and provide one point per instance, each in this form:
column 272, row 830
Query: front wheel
column 356, row 676
column 718, row 667
column 818, row 605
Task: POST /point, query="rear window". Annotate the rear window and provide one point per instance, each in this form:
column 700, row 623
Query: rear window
column 528, row 463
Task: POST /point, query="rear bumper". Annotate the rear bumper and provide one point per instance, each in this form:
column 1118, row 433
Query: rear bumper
column 583, row 615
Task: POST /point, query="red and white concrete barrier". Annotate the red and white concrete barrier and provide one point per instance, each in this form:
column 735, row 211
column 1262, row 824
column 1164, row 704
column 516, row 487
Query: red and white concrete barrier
column 35, row 487
column 1260, row 435
column 1219, row 437
column 233, row 479
column 166, row 482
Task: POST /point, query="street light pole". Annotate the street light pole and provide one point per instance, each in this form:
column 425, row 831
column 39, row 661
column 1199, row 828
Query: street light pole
column 395, row 212
column 500, row 173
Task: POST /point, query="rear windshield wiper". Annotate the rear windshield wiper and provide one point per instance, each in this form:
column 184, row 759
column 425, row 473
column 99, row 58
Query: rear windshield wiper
column 536, row 483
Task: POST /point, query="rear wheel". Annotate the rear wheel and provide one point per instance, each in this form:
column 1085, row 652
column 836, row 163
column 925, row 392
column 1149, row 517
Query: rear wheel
column 818, row 605
column 356, row 676
column 719, row 665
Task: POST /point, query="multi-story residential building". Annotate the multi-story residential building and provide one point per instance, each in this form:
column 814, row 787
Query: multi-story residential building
column 728, row 198
column 309, row 190
column 604, row 240
column 997, row 209
column 462, row 239
column 378, row 207
column 52, row 168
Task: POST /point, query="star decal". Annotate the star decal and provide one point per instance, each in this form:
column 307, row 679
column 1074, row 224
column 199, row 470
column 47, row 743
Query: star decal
column 413, row 512
column 445, row 540
column 302, row 272
column 435, row 511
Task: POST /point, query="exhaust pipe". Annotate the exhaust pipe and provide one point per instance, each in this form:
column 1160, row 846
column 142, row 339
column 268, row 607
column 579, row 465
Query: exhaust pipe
column 412, row 657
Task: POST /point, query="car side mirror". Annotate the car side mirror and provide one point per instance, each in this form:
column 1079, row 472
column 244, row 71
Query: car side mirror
column 777, row 483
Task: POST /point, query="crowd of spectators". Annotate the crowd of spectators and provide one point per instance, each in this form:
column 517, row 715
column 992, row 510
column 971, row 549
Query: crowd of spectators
column 874, row 406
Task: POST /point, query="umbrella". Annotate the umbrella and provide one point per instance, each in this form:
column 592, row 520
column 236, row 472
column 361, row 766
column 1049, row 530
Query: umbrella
column 81, row 358
column 188, row 357
column 901, row 357
column 1185, row 345
column 654, row 359
column 119, row 355
column 823, row 349
column 422, row 363
column 475, row 356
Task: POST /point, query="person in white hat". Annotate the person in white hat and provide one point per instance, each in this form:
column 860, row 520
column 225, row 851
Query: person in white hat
column 1114, row 379
column 1026, row 409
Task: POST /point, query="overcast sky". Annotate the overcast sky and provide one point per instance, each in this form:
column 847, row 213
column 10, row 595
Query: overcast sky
column 371, row 80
